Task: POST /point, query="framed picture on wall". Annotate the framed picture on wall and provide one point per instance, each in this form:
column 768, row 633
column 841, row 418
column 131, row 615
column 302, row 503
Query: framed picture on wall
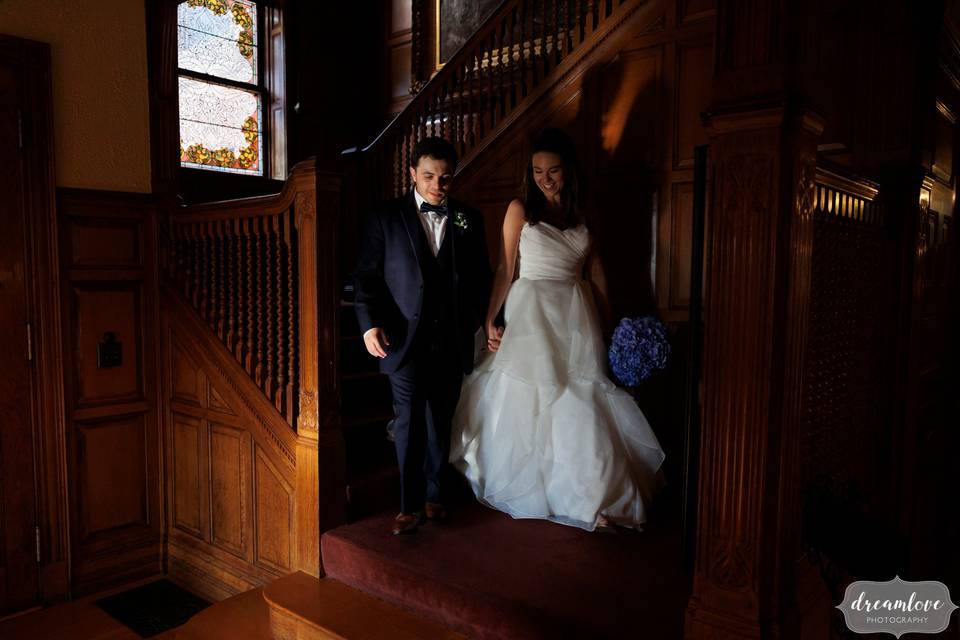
column 457, row 20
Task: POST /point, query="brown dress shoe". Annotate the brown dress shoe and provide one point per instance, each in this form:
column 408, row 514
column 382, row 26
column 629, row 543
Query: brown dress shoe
column 406, row 523
column 436, row 511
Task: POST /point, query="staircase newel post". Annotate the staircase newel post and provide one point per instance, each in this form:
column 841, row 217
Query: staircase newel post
column 319, row 456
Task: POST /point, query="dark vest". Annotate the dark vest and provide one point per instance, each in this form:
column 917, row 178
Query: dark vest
column 438, row 321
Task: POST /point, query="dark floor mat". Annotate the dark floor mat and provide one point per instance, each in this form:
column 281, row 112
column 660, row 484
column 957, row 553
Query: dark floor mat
column 153, row 608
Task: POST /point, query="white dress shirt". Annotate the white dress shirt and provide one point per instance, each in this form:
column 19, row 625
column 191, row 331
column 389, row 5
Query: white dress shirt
column 434, row 224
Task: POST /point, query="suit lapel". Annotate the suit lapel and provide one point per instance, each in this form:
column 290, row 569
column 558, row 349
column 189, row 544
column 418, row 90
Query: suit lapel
column 411, row 221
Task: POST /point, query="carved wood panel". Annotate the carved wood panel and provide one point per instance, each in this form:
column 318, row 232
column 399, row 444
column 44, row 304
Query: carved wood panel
column 274, row 515
column 185, row 474
column 105, row 243
column 111, row 468
column 98, row 310
column 230, row 483
column 228, row 488
column 108, row 267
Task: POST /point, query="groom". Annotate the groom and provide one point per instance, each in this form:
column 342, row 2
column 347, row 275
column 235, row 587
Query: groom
column 422, row 286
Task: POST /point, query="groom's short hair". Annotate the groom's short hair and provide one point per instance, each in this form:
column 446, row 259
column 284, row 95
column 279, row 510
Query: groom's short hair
column 434, row 147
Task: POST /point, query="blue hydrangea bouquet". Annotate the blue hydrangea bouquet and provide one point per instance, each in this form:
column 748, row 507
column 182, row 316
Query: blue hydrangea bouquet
column 640, row 348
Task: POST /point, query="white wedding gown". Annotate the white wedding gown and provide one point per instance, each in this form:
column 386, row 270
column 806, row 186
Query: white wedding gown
column 540, row 431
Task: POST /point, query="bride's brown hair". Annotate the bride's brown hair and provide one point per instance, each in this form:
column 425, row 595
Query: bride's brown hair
column 534, row 202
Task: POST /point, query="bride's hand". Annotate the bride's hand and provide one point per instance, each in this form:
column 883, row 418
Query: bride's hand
column 494, row 334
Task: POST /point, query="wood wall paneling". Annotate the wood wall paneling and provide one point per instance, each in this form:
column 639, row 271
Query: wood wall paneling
column 99, row 310
column 943, row 146
column 693, row 77
column 187, row 379
column 399, row 51
column 694, row 10
column 111, row 495
column 228, row 488
column 105, row 243
column 186, row 495
column 680, row 248
column 109, row 283
column 400, row 75
column 274, row 515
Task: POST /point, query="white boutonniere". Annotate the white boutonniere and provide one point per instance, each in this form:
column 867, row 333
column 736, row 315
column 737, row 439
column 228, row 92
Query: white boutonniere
column 460, row 220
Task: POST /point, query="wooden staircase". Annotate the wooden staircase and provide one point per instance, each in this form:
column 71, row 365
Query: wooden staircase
column 523, row 51
column 267, row 282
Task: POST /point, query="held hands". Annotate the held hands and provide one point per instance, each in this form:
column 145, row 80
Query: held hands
column 376, row 342
column 494, row 334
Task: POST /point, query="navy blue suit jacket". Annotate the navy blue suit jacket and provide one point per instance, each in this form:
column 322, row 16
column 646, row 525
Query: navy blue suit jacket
column 388, row 282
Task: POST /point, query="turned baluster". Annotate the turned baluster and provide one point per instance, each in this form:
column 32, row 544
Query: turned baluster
column 232, row 271
column 580, row 28
column 291, row 318
column 508, row 66
column 272, row 301
column 194, row 267
column 214, row 268
column 503, row 55
column 555, row 32
column 532, row 29
column 524, row 38
column 491, row 104
column 281, row 308
column 224, row 275
column 180, row 261
column 204, row 271
column 544, row 30
column 252, row 301
column 256, row 329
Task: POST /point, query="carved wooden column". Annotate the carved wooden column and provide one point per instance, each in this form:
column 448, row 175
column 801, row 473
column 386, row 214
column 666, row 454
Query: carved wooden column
column 320, row 491
column 758, row 289
column 763, row 155
column 307, row 506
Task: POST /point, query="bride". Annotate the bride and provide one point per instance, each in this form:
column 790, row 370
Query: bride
column 540, row 431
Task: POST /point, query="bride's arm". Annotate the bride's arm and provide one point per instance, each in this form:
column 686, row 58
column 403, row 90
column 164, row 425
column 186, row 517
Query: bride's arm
column 598, row 283
column 503, row 278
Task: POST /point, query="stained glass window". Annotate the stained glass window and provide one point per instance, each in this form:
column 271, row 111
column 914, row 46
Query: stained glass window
column 220, row 92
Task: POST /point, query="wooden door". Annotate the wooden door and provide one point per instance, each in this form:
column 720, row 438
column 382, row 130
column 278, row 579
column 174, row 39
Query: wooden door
column 19, row 579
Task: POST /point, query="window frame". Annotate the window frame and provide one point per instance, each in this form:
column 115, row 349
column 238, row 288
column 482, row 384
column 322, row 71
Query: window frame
column 261, row 87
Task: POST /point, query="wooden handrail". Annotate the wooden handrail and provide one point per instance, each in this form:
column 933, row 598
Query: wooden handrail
column 261, row 273
column 246, row 266
column 509, row 57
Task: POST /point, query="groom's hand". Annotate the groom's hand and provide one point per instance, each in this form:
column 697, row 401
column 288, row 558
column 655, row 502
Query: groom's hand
column 494, row 334
column 376, row 342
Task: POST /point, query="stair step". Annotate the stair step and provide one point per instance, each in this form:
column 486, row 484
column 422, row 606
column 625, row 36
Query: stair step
column 309, row 608
column 490, row 576
column 243, row 616
column 374, row 493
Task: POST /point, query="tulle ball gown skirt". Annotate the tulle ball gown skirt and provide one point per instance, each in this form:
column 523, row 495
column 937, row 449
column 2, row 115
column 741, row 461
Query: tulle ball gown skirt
column 540, row 431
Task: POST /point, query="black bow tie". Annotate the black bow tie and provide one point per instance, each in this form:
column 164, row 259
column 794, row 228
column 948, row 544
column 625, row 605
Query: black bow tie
column 440, row 210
